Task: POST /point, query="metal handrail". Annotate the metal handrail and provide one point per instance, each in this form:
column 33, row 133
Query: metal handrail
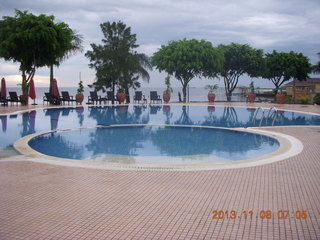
column 270, row 109
column 255, row 115
column 274, row 119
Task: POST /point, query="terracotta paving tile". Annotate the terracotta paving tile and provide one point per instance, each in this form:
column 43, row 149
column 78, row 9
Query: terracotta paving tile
column 42, row 201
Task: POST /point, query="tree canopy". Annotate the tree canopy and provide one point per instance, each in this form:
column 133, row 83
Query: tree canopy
column 316, row 68
column 117, row 63
column 73, row 48
column 33, row 41
column 282, row 66
column 239, row 59
column 187, row 59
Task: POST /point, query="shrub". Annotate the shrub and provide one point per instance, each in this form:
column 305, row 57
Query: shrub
column 316, row 99
column 304, row 100
column 288, row 99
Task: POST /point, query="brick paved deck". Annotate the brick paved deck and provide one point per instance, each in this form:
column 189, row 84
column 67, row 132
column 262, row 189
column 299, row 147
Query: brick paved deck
column 42, row 201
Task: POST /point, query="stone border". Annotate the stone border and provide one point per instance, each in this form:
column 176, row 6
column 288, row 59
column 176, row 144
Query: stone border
column 289, row 146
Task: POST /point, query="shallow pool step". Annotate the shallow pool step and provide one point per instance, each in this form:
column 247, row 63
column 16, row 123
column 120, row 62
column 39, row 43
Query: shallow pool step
column 8, row 151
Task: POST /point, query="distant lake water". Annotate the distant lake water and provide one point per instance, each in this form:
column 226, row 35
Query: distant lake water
column 195, row 94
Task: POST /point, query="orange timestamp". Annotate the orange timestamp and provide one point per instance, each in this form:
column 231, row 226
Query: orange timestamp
column 261, row 214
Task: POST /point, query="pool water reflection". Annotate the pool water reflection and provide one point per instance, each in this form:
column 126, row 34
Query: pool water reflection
column 15, row 126
column 99, row 144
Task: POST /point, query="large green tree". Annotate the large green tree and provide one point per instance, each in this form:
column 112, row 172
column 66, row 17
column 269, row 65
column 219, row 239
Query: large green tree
column 33, row 41
column 282, row 66
column 116, row 62
column 239, row 59
column 316, row 68
column 187, row 59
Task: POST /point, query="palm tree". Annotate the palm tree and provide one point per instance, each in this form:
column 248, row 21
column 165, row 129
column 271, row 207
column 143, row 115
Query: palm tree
column 116, row 62
column 137, row 66
column 76, row 46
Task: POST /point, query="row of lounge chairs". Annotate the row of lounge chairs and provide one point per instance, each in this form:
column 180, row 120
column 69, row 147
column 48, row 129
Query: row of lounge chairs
column 95, row 99
column 110, row 97
column 92, row 99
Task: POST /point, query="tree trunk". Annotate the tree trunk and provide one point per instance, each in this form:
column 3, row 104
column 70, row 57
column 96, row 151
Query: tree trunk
column 184, row 92
column 127, row 95
column 294, row 91
column 51, row 78
column 229, row 96
column 227, row 89
column 228, row 93
column 24, row 85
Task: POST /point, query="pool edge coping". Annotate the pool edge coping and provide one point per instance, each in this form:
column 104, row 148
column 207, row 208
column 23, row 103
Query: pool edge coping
column 289, row 147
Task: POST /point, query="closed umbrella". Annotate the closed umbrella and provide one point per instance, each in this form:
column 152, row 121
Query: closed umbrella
column 32, row 91
column 55, row 91
column 3, row 93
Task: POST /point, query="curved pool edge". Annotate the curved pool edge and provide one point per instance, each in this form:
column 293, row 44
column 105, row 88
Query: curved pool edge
column 289, row 146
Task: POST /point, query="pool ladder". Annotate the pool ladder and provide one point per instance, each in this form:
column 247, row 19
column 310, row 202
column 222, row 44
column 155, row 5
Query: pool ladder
column 255, row 116
column 263, row 114
column 275, row 115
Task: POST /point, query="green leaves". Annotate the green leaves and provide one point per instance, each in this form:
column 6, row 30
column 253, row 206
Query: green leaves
column 186, row 59
column 116, row 62
column 241, row 58
column 35, row 41
column 281, row 67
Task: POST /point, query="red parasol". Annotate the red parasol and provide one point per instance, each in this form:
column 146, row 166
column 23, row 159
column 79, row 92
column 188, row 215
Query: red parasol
column 55, row 91
column 32, row 91
column 3, row 93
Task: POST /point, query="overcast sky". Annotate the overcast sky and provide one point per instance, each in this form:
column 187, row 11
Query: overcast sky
column 269, row 24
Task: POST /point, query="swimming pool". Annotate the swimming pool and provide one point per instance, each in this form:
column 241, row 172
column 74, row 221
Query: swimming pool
column 183, row 144
column 16, row 126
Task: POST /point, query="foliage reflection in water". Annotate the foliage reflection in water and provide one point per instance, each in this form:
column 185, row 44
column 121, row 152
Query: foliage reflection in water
column 15, row 126
column 154, row 141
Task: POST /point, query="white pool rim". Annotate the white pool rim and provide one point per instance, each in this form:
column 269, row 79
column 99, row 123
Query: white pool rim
column 289, row 147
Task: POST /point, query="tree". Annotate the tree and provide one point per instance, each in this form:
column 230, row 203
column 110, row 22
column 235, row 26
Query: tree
column 33, row 41
column 69, row 50
column 316, row 68
column 238, row 60
column 136, row 65
column 281, row 67
column 187, row 59
column 117, row 64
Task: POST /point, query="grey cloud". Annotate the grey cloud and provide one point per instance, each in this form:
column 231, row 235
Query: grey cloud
column 271, row 24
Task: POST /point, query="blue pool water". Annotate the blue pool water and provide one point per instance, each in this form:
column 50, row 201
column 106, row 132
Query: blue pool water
column 15, row 126
column 154, row 141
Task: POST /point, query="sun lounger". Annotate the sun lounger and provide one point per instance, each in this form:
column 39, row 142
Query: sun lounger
column 3, row 101
column 50, row 99
column 13, row 97
column 139, row 97
column 111, row 97
column 155, row 97
column 66, row 97
column 95, row 98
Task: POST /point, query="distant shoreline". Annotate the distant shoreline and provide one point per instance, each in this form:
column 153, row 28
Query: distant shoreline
column 196, row 94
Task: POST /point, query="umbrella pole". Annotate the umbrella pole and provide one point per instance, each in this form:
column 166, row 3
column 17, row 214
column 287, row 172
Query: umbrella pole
column 34, row 102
